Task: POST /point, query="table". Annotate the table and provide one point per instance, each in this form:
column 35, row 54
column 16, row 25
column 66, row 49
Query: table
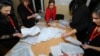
column 44, row 47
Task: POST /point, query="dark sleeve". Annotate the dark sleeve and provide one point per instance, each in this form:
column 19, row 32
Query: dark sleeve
column 83, row 27
column 22, row 13
column 76, row 18
column 3, row 30
column 80, row 16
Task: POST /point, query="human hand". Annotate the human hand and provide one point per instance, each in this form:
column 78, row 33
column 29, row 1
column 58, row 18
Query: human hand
column 33, row 15
column 64, row 35
column 85, row 46
column 69, row 33
column 18, row 35
column 47, row 24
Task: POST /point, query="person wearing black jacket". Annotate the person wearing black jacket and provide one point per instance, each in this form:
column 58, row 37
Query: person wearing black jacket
column 9, row 29
column 26, row 13
column 91, row 44
column 80, row 17
column 93, row 4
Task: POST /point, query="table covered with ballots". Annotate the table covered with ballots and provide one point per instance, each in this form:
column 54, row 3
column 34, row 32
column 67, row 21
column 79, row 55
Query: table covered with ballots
column 39, row 34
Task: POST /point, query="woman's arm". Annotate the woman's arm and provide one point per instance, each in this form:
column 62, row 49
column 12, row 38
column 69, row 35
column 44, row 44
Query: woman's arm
column 85, row 46
column 31, row 16
column 13, row 35
column 69, row 33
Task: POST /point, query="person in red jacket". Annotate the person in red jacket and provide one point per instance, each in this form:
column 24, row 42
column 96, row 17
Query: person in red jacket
column 50, row 14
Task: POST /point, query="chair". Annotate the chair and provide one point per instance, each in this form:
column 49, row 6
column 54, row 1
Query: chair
column 59, row 17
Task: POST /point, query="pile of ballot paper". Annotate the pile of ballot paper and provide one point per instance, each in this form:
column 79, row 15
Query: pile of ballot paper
column 37, row 16
column 64, row 23
column 45, row 34
column 70, row 49
column 49, row 33
column 73, row 40
column 30, row 31
column 66, row 48
column 21, row 49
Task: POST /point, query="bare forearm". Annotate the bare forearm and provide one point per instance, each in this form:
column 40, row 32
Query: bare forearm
column 72, row 32
column 85, row 46
column 95, row 48
column 5, row 36
column 29, row 17
column 69, row 33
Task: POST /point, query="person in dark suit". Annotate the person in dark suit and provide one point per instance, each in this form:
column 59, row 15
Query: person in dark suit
column 27, row 14
column 9, row 29
column 91, row 44
column 80, row 17
column 93, row 4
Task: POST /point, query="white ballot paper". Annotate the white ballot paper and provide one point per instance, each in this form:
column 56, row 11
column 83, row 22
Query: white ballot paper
column 56, row 50
column 72, row 40
column 49, row 33
column 30, row 40
column 21, row 49
column 64, row 22
column 30, row 31
column 38, row 16
column 41, row 25
column 71, row 49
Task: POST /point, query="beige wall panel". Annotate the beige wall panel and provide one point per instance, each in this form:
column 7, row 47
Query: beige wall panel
column 61, row 9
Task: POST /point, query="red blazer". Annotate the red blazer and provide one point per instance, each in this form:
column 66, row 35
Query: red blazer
column 50, row 13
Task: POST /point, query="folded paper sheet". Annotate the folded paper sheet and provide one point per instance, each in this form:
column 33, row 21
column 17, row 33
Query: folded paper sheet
column 30, row 31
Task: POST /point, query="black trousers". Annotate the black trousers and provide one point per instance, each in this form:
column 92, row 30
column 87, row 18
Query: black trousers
column 7, row 44
column 81, row 36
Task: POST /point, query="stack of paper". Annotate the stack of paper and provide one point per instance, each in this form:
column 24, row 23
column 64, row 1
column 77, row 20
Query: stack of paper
column 56, row 51
column 30, row 40
column 22, row 52
column 73, row 40
column 30, row 31
column 70, row 49
column 38, row 16
column 53, row 24
column 49, row 33
column 41, row 25
column 66, row 48
column 21, row 49
column 64, row 22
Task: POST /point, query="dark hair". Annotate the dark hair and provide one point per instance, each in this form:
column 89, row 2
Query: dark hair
column 51, row 1
column 75, row 4
column 24, row 0
column 5, row 3
column 84, row 1
column 97, row 10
